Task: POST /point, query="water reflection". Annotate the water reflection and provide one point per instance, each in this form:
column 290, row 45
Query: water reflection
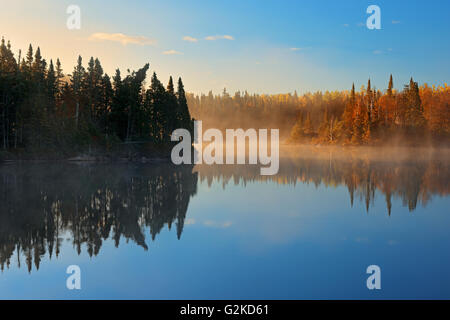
column 414, row 180
column 42, row 204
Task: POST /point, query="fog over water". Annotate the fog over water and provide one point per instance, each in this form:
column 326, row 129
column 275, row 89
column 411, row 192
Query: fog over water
column 164, row 227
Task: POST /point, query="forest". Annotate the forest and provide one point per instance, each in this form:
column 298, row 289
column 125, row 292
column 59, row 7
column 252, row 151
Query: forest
column 416, row 115
column 44, row 110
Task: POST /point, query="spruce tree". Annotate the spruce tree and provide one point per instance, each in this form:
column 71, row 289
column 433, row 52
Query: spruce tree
column 59, row 77
column 185, row 116
column 172, row 108
column 77, row 86
column 390, row 86
column 157, row 109
column 29, row 61
column 52, row 87
column 348, row 114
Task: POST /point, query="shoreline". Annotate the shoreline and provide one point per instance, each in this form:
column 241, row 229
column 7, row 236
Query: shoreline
column 161, row 155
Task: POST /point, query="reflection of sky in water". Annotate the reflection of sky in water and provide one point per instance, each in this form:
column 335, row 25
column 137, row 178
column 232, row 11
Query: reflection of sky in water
column 263, row 240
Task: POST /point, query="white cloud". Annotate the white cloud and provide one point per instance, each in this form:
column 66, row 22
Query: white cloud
column 395, row 22
column 122, row 38
column 346, row 25
column 299, row 49
column 212, row 38
column 377, row 52
column 190, row 39
column 171, row 52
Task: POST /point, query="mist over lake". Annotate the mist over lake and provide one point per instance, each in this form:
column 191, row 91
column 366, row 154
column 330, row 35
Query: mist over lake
column 156, row 230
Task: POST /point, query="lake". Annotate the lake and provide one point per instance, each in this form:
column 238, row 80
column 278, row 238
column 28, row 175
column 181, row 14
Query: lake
column 160, row 231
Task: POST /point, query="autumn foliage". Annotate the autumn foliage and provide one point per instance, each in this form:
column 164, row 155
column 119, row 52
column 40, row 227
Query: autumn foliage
column 415, row 115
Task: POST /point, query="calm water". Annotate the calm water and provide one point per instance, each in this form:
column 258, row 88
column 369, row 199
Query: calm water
column 158, row 231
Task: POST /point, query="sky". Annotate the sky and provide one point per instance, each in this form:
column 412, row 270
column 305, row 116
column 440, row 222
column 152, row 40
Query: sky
column 259, row 46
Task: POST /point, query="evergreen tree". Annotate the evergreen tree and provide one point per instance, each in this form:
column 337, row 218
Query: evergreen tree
column 29, row 61
column 59, row 78
column 105, row 103
column 118, row 113
column 173, row 109
column 184, row 117
column 52, row 87
column 414, row 111
column 77, row 86
column 390, row 86
column 156, row 98
column 134, row 93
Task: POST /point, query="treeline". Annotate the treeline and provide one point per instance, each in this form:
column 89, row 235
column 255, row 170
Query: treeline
column 415, row 115
column 244, row 110
column 412, row 116
column 44, row 109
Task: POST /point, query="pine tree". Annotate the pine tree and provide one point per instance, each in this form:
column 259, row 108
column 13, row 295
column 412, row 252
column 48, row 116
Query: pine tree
column 414, row 112
column 369, row 108
column 118, row 113
column 29, row 61
column 59, row 78
column 105, row 102
column 93, row 86
column 135, row 97
column 390, row 86
column 172, row 108
column 185, row 117
column 38, row 71
column 77, row 86
column 52, row 87
column 156, row 98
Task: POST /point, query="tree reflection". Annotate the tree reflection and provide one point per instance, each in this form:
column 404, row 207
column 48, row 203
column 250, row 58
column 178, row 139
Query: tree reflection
column 413, row 180
column 44, row 204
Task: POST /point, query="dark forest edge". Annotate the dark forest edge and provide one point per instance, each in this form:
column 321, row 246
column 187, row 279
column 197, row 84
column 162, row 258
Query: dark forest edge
column 46, row 114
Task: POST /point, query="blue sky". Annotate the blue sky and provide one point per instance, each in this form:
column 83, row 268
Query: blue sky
column 259, row 46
